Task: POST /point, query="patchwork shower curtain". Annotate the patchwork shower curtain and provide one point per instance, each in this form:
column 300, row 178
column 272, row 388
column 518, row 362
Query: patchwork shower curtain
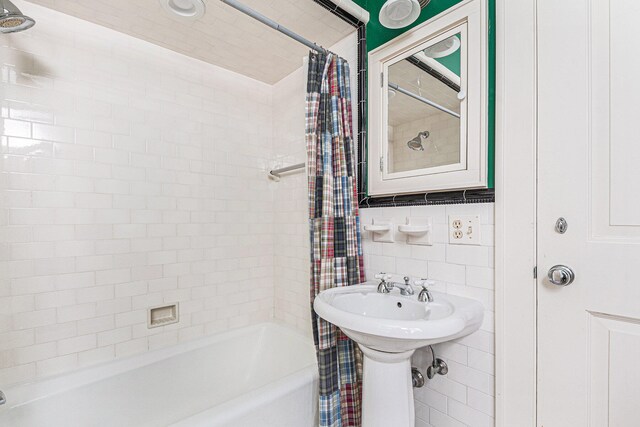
column 336, row 253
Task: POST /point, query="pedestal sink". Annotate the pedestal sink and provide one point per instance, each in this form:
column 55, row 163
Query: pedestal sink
column 389, row 328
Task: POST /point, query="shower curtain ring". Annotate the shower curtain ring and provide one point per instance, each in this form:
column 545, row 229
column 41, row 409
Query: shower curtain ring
column 464, row 196
column 426, row 202
column 394, row 200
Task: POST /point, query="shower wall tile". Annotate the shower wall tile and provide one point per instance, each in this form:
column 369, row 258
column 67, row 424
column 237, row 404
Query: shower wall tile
column 131, row 176
column 464, row 397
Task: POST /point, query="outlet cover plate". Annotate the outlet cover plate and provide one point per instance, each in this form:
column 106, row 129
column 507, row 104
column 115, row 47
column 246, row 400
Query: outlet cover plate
column 464, row 229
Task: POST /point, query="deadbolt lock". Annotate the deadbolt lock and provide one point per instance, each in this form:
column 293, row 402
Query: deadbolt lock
column 561, row 225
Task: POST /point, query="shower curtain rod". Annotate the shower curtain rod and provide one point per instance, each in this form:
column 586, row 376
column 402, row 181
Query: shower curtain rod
column 421, row 99
column 273, row 24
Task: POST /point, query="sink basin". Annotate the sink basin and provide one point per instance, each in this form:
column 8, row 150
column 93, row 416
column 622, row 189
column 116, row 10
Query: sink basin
column 388, row 329
column 394, row 323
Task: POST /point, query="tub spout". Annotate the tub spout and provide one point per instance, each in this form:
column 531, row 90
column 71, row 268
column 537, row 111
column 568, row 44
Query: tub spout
column 3, row 399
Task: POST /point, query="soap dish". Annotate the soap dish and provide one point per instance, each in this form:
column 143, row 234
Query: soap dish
column 418, row 231
column 415, row 230
column 381, row 230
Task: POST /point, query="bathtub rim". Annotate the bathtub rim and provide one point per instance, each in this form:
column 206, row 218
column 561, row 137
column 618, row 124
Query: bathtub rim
column 25, row 392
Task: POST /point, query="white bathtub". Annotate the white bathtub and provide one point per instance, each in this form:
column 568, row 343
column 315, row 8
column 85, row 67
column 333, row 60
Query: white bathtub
column 263, row 375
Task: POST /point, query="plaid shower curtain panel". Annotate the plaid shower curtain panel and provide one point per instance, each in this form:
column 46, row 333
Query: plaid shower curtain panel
column 334, row 224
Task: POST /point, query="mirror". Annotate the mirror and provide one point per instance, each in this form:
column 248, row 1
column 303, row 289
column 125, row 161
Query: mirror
column 424, row 107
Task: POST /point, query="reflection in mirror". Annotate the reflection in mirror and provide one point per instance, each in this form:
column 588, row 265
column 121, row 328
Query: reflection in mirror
column 424, row 108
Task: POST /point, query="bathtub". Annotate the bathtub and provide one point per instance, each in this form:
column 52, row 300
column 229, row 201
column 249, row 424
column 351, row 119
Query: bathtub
column 263, row 375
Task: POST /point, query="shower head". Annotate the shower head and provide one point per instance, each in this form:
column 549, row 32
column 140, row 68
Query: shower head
column 12, row 20
column 416, row 143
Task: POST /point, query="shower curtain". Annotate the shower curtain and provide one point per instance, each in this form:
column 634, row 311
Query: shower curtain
column 334, row 224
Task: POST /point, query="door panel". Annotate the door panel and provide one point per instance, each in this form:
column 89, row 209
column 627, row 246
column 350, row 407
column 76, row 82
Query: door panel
column 613, row 370
column 615, row 176
column 624, row 66
column 589, row 173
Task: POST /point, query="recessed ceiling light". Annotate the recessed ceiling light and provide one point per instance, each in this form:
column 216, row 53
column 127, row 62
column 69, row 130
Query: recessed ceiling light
column 399, row 13
column 189, row 9
column 443, row 48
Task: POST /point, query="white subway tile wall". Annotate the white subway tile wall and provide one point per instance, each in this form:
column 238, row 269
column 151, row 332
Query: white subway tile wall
column 464, row 397
column 131, row 176
column 291, row 213
column 442, row 147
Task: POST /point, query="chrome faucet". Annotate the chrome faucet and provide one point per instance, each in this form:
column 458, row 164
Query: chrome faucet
column 405, row 288
column 425, row 294
column 384, row 287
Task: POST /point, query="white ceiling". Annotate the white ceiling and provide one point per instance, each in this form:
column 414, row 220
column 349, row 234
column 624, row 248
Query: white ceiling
column 224, row 36
column 404, row 109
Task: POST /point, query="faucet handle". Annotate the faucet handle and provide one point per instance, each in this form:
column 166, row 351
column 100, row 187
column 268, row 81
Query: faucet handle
column 424, row 282
column 383, row 276
column 383, row 286
column 425, row 294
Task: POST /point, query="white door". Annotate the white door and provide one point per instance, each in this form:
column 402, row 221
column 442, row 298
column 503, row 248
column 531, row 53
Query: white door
column 589, row 173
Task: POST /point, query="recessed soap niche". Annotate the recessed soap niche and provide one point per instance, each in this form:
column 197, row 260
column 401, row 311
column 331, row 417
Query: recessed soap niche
column 162, row 315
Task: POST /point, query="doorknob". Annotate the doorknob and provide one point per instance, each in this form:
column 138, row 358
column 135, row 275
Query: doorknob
column 561, row 275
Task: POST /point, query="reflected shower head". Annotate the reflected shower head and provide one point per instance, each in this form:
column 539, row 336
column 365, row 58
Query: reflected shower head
column 416, row 143
column 12, row 20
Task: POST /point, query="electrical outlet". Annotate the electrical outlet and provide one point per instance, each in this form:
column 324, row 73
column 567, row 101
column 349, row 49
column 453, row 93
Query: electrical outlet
column 464, row 229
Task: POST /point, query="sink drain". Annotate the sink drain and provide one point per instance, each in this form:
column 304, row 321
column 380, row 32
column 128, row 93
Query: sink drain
column 399, row 305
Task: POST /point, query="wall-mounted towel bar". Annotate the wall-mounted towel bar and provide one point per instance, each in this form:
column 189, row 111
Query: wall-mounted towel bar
column 275, row 173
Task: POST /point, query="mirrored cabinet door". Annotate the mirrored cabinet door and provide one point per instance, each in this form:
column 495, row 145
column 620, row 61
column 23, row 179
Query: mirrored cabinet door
column 424, row 107
column 427, row 110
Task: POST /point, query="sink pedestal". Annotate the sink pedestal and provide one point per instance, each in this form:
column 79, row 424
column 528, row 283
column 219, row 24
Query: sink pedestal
column 387, row 390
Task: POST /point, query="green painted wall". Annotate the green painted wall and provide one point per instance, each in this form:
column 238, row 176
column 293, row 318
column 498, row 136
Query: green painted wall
column 378, row 35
